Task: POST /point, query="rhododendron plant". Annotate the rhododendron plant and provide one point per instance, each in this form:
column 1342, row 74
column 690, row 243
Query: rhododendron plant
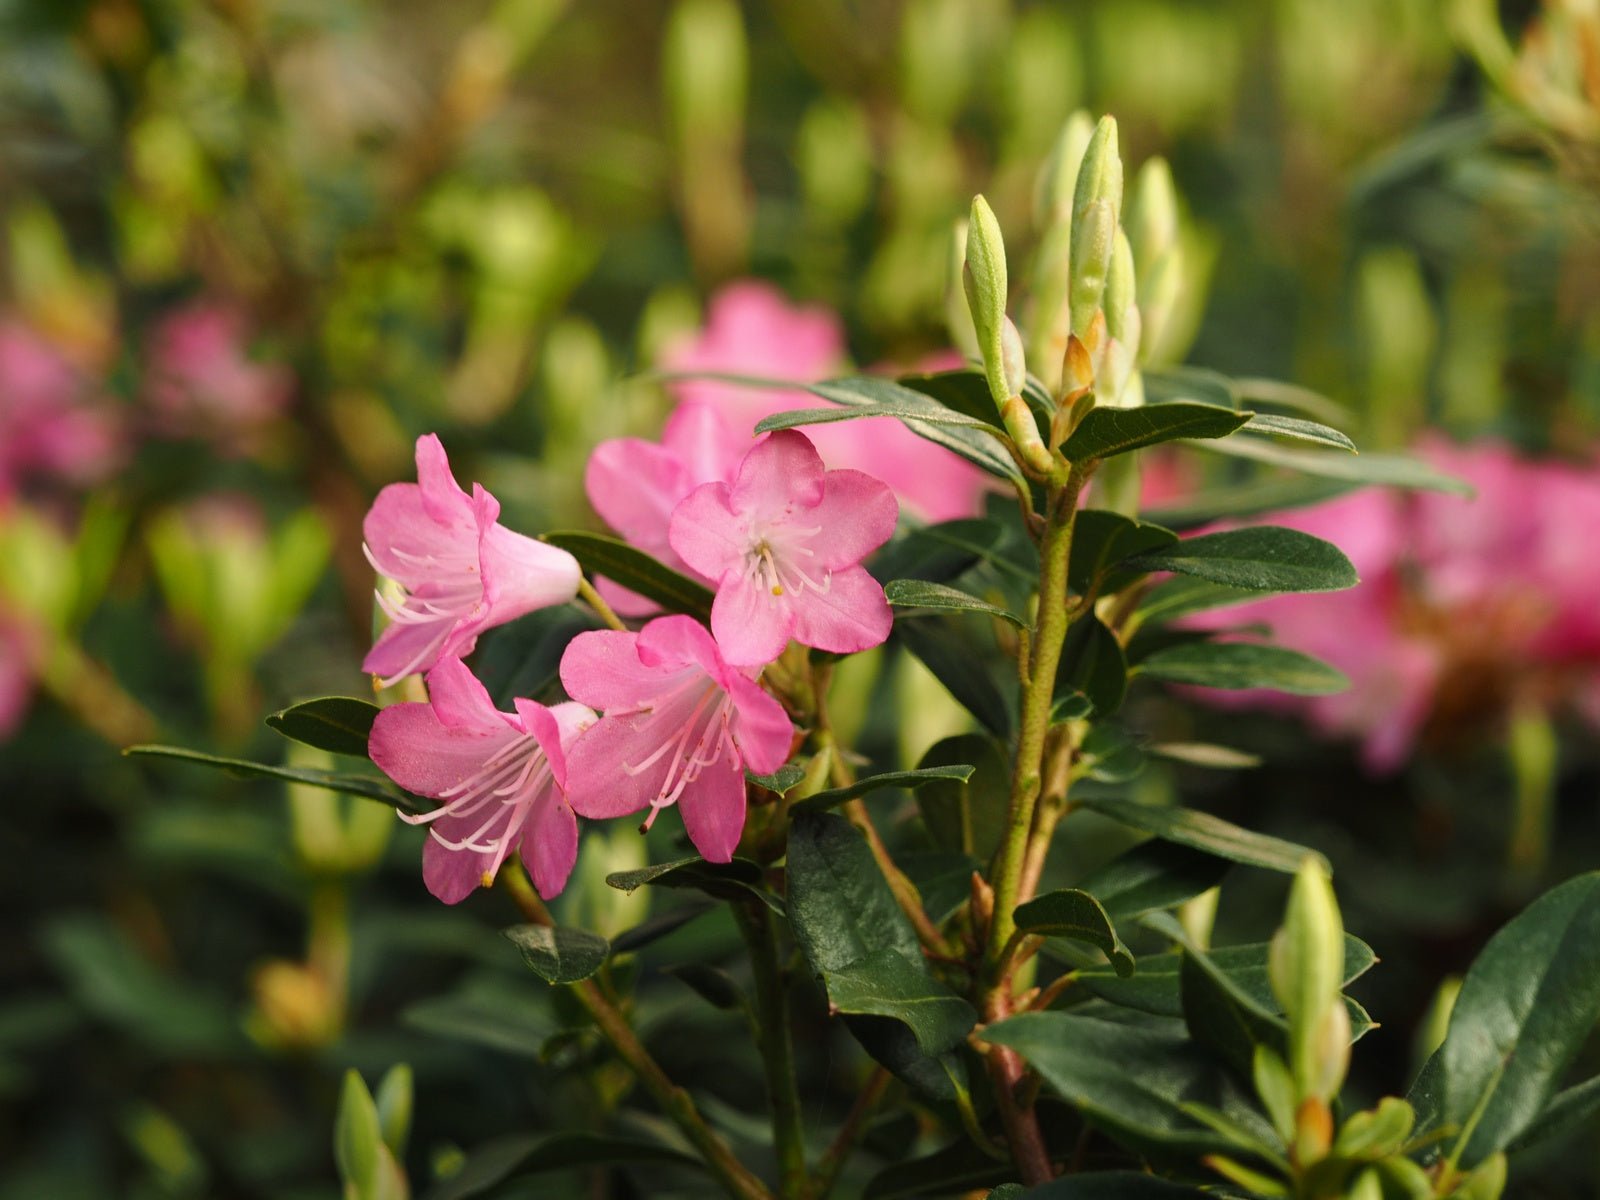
column 462, row 571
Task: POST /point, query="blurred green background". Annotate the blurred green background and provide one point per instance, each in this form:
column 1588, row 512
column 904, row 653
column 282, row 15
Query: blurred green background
column 250, row 249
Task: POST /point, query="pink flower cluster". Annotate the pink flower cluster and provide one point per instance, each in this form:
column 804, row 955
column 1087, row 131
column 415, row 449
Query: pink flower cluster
column 681, row 715
column 1467, row 607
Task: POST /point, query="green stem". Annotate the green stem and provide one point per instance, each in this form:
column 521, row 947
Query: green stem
column 597, row 602
column 736, row 1179
column 777, row 1048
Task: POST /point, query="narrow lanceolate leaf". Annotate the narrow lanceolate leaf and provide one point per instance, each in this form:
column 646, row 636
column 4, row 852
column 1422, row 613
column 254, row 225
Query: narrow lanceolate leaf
column 941, row 552
column 1154, row 875
column 1264, row 495
column 1092, row 666
column 1108, row 431
column 1391, row 470
column 368, row 787
column 736, row 880
column 921, row 777
column 337, row 724
column 1297, row 429
column 1202, row 831
column 976, row 445
column 1075, row 914
column 1528, row 1002
column 1101, row 540
column 959, row 662
column 916, row 593
column 798, row 417
column 560, row 955
column 1235, row 665
column 600, row 554
column 493, row 1163
column 1266, row 558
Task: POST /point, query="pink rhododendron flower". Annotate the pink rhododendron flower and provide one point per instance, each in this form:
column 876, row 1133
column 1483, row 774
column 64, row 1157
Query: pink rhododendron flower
column 1467, row 607
column 752, row 329
column 200, row 380
column 679, row 727
column 784, row 542
column 49, row 427
column 501, row 777
column 634, row 485
column 463, row 572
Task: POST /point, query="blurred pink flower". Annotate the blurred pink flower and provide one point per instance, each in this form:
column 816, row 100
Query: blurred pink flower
column 52, row 427
column 1466, row 607
column 200, row 381
column 462, row 570
column 752, row 329
column 784, row 543
column 679, row 727
column 501, row 777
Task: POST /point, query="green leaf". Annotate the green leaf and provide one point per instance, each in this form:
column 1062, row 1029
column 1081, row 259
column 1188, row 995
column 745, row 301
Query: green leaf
column 1113, row 1185
column 1101, row 540
column 963, row 391
column 1202, row 831
column 1528, row 1002
column 1154, row 875
column 559, row 955
column 961, row 664
column 1182, row 597
column 887, row 984
column 1294, row 429
column 1387, row 470
column 967, row 816
column 1092, row 665
column 1236, row 665
column 924, row 417
column 600, row 554
column 1129, row 1081
column 712, row 984
column 1270, row 495
column 1164, row 384
column 1108, row 431
column 395, row 1098
column 1109, row 754
column 736, row 880
column 943, row 878
column 917, row 593
column 357, row 1134
column 795, row 418
column 939, row 553
column 337, row 724
column 1264, row 558
column 1565, row 1114
column 1074, row 913
column 911, row 780
column 495, row 1162
column 780, row 781
column 489, row 1010
column 658, row 926
column 1279, row 394
column 368, row 787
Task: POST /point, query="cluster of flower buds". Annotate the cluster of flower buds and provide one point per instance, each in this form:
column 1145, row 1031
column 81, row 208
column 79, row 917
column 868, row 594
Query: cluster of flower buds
column 670, row 714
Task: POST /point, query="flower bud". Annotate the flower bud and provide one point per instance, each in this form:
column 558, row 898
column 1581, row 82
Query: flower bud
column 294, row 1008
column 1306, row 969
column 1100, row 172
column 957, row 316
column 985, row 281
column 1159, row 292
column 1367, row 1186
column 1013, row 361
column 1094, row 231
column 1119, row 300
column 1153, row 214
column 1313, row 1132
column 1058, row 177
column 1378, row 1132
column 1486, row 1182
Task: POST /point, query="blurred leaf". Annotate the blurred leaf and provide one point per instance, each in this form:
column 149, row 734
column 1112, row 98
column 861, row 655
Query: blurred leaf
column 1238, row 665
column 1390, row 470
column 366, row 786
column 1112, row 1185
column 560, row 955
column 967, row 816
column 493, row 1163
column 1154, row 875
column 1205, row 754
column 522, row 658
column 1290, row 395
column 600, row 554
column 910, row 780
column 394, row 1099
column 1182, row 597
column 357, row 1135
column 1566, row 1113
column 1074, row 913
column 658, row 926
column 1110, row 754
column 941, row 552
column 943, row 878
column 1202, row 831
column 1293, row 429
column 1092, row 665
column 1528, row 1002
column 1263, row 558
column 337, row 724
column 886, row 408
column 712, row 984
column 1245, row 500
column 1104, row 432
column 957, row 662
column 917, row 593
column 1101, row 540
column 489, row 1010
column 977, row 445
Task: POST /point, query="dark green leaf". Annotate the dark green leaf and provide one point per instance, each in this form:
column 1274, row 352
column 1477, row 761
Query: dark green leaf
column 1565, row 1114
column 489, row 1011
column 917, row 593
column 1202, row 831
column 887, row 984
column 921, row 777
column 1112, row 1185
column 781, row 780
column 600, row 554
column 943, row 878
column 1182, row 597
column 560, row 955
column 1224, row 1017
column 968, row 817
column 1101, row 540
column 658, row 926
column 712, row 984
column 1109, row 754
column 493, row 1163
column 1163, row 384
column 523, row 658
column 1093, row 666
column 939, row 553
column 960, row 663
column 963, row 391
column 1264, row 558
column 1131, row 1082
column 736, row 880
column 337, row 724
column 1293, row 429
column 1108, row 431
column 1272, row 495
column 1154, row 875
column 1073, row 913
column 1528, row 1002
column 1389, row 470
column 368, row 787
column 796, row 418
column 1236, row 665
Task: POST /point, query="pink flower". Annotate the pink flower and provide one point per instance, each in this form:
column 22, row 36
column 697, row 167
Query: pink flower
column 752, row 329
column 200, row 380
column 463, row 572
column 634, row 485
column 785, row 542
column 49, row 429
column 501, row 777
column 680, row 726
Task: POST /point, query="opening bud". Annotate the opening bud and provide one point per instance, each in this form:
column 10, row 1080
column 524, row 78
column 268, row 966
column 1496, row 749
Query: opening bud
column 1306, row 969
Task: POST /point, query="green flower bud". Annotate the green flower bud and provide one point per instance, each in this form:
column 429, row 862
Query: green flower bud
column 1367, row 1186
column 1153, row 214
column 1275, row 1087
column 1100, row 172
column 1094, row 231
column 1378, row 1132
column 1306, row 968
column 1013, row 360
column 985, row 281
column 705, row 65
column 1058, row 178
column 1050, row 313
column 1159, row 292
column 1119, row 301
column 957, row 317
column 1487, row 1182
column 394, row 1103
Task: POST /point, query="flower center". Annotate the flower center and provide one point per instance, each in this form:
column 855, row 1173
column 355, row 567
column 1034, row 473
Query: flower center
column 777, row 564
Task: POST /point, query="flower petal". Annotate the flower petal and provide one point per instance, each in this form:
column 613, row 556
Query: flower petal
column 460, row 700
column 600, row 780
column 760, row 727
column 399, row 530
column 752, row 626
column 707, row 534
column 452, row 875
column 851, row 615
column 407, row 648
column 634, row 486
column 713, row 809
column 680, row 641
column 412, row 747
column 601, row 668
column 702, row 439
column 857, row 514
column 549, row 842
column 781, row 472
column 442, row 497
column 520, row 574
